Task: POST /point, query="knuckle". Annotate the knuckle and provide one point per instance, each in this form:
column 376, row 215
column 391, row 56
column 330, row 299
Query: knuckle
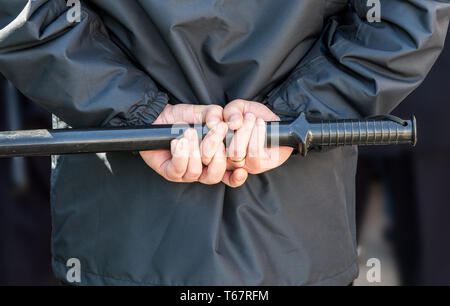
column 234, row 103
column 211, row 181
column 176, row 173
column 197, row 173
column 215, row 181
column 194, row 173
column 215, row 109
column 252, row 153
column 208, row 146
column 173, row 176
column 206, row 160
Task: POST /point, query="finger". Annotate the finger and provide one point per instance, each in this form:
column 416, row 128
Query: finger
column 235, row 178
column 261, row 111
column 194, row 114
column 155, row 159
column 209, row 114
column 194, row 168
column 230, row 165
column 214, row 173
column 175, row 168
column 260, row 158
column 239, row 143
column 233, row 112
column 213, row 116
column 183, row 113
column 212, row 142
column 256, row 155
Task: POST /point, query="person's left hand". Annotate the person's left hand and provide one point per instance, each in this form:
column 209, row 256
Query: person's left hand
column 247, row 148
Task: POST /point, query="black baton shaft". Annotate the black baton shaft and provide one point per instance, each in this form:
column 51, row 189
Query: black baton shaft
column 74, row 141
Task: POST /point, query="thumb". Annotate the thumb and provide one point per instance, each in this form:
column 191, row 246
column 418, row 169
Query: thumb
column 235, row 178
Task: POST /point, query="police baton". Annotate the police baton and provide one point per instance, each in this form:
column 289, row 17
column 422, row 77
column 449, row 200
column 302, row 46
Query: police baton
column 302, row 134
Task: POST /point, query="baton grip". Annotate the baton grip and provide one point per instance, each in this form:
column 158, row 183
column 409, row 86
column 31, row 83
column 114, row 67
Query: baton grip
column 376, row 131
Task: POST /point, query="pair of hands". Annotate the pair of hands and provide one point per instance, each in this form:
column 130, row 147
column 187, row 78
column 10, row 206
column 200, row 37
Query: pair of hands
column 208, row 161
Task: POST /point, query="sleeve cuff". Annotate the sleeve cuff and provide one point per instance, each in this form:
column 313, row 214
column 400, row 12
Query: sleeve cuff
column 143, row 113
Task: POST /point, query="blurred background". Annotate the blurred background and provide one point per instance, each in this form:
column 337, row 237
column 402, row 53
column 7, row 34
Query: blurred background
column 403, row 209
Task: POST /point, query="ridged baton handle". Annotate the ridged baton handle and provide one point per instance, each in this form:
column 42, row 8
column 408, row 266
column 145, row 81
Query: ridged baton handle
column 363, row 132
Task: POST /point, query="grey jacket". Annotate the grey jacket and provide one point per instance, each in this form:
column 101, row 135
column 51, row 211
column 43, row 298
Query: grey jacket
column 125, row 60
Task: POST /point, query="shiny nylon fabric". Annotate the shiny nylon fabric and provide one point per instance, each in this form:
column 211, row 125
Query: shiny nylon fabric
column 126, row 59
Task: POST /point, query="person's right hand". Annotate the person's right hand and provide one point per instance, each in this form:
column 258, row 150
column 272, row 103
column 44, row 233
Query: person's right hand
column 188, row 161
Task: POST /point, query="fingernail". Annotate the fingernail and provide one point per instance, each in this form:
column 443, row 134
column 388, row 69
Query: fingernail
column 260, row 122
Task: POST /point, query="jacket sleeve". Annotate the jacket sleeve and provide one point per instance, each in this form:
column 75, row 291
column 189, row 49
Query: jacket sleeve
column 73, row 69
column 358, row 68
